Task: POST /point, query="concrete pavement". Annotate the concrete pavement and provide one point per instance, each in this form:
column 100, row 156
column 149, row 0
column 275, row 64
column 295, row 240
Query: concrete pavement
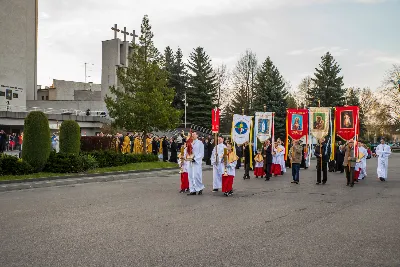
column 146, row 222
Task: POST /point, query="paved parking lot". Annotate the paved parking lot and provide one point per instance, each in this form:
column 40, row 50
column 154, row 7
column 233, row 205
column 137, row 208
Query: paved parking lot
column 144, row 221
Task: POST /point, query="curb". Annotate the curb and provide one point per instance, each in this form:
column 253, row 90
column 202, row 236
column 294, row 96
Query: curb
column 81, row 179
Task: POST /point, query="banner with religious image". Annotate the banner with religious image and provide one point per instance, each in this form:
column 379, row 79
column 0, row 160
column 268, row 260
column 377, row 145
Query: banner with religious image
column 347, row 122
column 263, row 126
column 319, row 121
column 297, row 120
column 241, row 129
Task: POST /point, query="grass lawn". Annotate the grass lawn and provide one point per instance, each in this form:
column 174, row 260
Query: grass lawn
column 128, row 167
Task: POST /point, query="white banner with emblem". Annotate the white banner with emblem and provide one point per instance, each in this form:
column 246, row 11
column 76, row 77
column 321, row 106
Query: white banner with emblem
column 241, row 128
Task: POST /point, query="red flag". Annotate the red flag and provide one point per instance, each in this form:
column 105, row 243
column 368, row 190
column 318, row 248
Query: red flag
column 297, row 120
column 215, row 120
column 347, row 122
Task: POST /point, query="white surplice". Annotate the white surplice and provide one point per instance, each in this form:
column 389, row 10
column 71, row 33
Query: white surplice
column 195, row 168
column 281, row 158
column 383, row 152
column 218, row 165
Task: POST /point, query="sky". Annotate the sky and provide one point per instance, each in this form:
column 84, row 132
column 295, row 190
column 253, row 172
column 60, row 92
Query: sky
column 362, row 35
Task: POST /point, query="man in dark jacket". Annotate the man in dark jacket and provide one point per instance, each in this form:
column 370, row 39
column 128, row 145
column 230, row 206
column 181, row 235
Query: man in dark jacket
column 322, row 161
column 267, row 155
column 239, row 153
column 246, row 155
column 349, row 162
column 174, row 151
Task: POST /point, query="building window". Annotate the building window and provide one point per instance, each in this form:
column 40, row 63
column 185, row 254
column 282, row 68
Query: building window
column 47, row 97
column 15, row 95
column 2, row 93
column 42, row 97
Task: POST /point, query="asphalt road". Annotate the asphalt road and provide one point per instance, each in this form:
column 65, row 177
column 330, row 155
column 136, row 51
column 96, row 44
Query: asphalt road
column 146, row 222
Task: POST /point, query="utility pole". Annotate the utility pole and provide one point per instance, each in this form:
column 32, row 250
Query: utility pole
column 185, row 108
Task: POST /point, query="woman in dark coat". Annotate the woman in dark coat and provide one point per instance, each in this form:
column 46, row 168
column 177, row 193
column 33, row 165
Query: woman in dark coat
column 174, row 147
column 165, row 148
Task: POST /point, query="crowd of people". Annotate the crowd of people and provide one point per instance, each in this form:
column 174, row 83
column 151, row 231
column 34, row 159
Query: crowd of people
column 10, row 142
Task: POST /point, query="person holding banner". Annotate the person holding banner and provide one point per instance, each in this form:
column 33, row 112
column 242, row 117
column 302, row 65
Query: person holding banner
column 383, row 152
column 217, row 158
column 195, row 165
column 322, row 156
column 247, row 155
column 349, row 162
column 267, row 155
column 295, row 155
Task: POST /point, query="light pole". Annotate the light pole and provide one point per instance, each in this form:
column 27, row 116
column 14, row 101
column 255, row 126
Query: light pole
column 185, row 108
column 85, row 70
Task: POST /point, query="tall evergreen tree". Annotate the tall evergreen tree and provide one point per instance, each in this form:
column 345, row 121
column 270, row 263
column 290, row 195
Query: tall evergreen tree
column 179, row 79
column 270, row 90
column 328, row 84
column 142, row 102
column 169, row 64
column 202, row 90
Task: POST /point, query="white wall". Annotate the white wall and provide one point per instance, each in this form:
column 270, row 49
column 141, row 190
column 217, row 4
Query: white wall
column 18, row 26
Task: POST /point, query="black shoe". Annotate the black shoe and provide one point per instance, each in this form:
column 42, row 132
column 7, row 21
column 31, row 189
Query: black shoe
column 182, row 191
column 293, row 182
column 318, row 183
column 215, row 190
column 230, row 193
column 323, row 182
column 187, row 190
column 257, row 177
column 267, row 179
column 192, row 194
column 352, row 185
column 226, row 194
column 200, row 192
column 296, row 182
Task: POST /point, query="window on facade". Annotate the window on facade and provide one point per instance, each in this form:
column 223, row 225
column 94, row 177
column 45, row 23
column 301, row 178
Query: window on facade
column 47, row 97
column 15, row 95
column 42, row 97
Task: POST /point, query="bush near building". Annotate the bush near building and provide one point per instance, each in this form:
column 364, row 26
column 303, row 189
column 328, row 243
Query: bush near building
column 70, row 137
column 37, row 143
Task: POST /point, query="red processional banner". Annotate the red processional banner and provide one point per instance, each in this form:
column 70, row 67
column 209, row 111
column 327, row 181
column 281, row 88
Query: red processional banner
column 347, row 122
column 297, row 123
column 215, row 120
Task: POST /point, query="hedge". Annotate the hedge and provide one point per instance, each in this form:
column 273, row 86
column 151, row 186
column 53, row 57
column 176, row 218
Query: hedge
column 70, row 137
column 11, row 165
column 95, row 143
column 72, row 163
column 37, row 144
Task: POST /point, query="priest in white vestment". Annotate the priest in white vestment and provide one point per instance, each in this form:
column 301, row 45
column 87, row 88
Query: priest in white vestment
column 383, row 152
column 195, row 167
column 217, row 161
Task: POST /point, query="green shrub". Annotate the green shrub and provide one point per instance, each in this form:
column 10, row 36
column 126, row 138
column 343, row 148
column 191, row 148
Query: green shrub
column 70, row 137
column 90, row 161
column 67, row 163
column 37, row 144
column 10, row 165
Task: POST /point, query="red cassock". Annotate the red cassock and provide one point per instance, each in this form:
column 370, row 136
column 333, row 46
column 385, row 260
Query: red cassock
column 276, row 169
column 259, row 171
column 227, row 183
column 184, row 180
column 356, row 175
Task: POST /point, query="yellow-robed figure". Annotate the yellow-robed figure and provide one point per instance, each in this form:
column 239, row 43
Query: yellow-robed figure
column 137, row 145
column 126, row 146
column 149, row 145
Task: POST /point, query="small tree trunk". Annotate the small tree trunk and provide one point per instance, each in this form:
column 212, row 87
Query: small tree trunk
column 144, row 140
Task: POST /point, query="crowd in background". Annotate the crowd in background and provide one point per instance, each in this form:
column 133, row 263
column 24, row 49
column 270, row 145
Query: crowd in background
column 10, row 142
